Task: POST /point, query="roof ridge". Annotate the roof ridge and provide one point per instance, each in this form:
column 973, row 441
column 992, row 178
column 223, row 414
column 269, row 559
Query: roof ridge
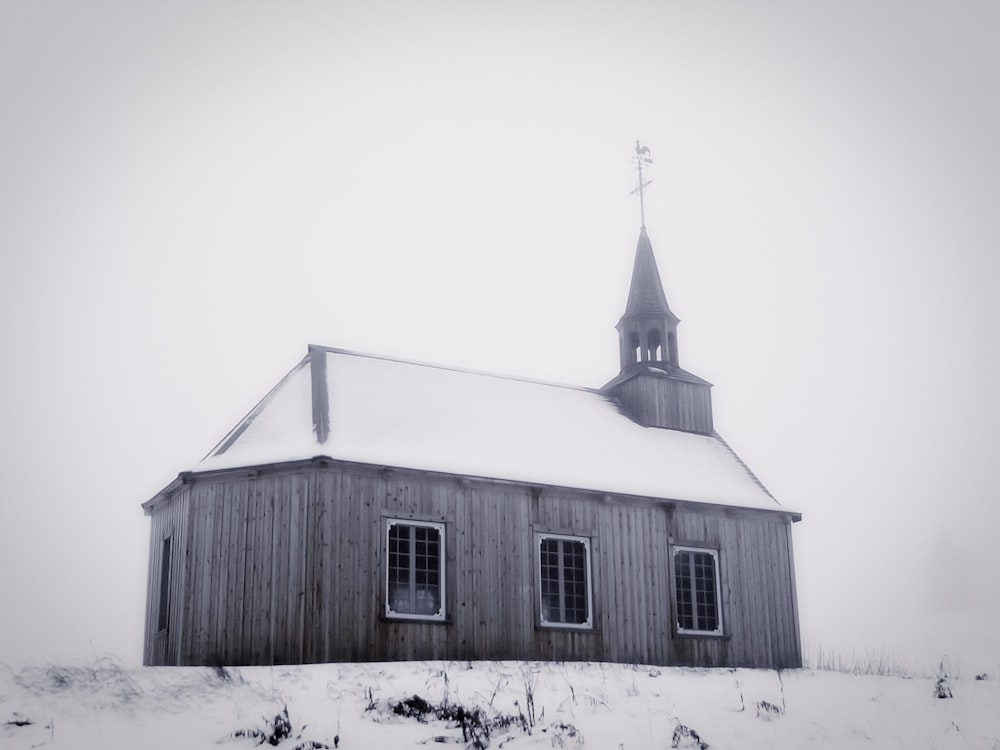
column 454, row 368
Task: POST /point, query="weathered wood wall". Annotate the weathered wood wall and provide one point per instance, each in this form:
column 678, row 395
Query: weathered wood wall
column 658, row 401
column 286, row 567
column 168, row 521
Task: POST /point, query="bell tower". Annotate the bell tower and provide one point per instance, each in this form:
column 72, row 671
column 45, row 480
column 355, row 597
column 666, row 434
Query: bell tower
column 651, row 387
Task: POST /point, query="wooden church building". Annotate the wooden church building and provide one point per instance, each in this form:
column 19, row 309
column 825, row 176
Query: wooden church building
column 373, row 509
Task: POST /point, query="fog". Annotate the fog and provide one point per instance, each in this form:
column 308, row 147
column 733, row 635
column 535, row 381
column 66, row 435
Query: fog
column 193, row 193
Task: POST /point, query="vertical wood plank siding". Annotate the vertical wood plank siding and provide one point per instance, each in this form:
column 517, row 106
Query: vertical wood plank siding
column 667, row 402
column 286, row 567
column 168, row 521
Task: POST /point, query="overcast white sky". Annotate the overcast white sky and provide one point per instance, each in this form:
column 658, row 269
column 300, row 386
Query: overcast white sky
column 193, row 192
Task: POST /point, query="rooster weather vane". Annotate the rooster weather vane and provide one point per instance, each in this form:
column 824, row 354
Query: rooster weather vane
column 640, row 159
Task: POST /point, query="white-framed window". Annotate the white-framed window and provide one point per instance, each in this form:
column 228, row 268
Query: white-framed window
column 696, row 591
column 414, row 570
column 564, row 581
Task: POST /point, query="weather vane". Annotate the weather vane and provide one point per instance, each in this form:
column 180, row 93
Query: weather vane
column 641, row 158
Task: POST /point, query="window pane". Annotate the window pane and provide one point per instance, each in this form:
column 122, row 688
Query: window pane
column 414, row 570
column 575, row 577
column 685, row 612
column 549, row 561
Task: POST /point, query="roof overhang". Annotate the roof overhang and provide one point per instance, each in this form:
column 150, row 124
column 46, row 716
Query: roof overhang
column 326, row 462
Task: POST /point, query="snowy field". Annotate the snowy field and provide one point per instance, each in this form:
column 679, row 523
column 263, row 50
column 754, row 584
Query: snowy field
column 105, row 705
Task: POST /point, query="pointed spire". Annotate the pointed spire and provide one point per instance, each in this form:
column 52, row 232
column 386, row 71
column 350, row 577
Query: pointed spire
column 647, row 332
column 645, row 295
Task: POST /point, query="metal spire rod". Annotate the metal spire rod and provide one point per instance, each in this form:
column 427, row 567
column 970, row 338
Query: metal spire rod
column 641, row 157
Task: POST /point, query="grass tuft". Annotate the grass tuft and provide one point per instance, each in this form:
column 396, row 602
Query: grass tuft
column 882, row 662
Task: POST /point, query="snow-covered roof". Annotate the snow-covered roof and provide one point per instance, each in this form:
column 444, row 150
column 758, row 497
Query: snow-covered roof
column 387, row 412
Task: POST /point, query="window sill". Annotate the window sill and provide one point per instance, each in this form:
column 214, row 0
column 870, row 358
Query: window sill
column 563, row 628
column 415, row 620
column 715, row 636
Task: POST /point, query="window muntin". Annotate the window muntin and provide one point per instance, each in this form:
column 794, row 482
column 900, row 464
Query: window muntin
column 696, row 590
column 414, row 586
column 564, row 581
column 163, row 612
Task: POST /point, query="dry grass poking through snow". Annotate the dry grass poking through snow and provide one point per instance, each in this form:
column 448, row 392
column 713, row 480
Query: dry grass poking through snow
column 107, row 706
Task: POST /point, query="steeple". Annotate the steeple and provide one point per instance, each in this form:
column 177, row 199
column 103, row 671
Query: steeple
column 647, row 332
column 651, row 388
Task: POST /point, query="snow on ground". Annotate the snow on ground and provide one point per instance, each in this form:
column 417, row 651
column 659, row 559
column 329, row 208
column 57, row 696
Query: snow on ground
column 106, row 706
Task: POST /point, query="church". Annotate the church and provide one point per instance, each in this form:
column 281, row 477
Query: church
column 375, row 509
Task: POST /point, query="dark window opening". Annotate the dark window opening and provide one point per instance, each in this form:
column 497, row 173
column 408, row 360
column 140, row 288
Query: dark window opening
column 163, row 616
column 696, row 585
column 564, row 578
column 414, row 570
column 634, row 347
column 654, row 346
